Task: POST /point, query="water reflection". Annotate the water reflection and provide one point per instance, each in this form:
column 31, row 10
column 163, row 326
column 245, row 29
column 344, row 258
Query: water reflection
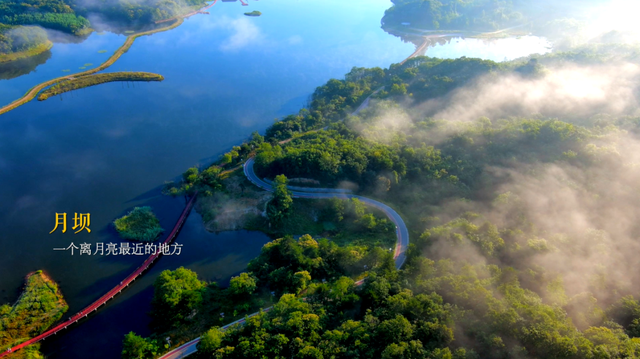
column 456, row 45
column 21, row 67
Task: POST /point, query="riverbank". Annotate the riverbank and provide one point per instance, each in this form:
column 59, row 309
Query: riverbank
column 34, row 51
column 92, row 80
column 31, row 94
column 39, row 306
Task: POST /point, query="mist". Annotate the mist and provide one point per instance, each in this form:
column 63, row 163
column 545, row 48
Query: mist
column 570, row 92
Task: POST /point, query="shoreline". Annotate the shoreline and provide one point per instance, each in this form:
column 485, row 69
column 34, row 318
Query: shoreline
column 34, row 51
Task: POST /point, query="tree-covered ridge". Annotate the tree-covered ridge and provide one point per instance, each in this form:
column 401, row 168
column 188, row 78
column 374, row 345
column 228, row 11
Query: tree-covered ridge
column 10, row 7
column 481, row 15
column 63, row 22
column 127, row 12
column 523, row 225
column 52, row 14
column 40, row 305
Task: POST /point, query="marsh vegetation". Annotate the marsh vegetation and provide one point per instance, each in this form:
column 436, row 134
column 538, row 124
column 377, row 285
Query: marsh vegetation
column 96, row 79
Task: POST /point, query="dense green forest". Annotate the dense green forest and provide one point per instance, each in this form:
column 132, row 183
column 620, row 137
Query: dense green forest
column 523, row 226
column 545, row 17
column 52, row 14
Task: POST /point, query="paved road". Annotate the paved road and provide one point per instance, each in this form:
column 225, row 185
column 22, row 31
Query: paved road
column 402, row 233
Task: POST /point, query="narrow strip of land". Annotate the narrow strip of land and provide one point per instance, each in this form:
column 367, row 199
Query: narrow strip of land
column 97, row 79
column 31, row 94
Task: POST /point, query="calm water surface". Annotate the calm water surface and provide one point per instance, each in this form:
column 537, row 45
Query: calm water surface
column 105, row 149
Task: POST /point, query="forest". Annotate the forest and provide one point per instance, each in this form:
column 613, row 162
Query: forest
column 481, row 15
column 545, row 16
column 521, row 209
column 51, row 14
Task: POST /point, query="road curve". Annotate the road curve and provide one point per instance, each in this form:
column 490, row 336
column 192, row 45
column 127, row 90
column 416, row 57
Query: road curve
column 402, row 233
column 399, row 255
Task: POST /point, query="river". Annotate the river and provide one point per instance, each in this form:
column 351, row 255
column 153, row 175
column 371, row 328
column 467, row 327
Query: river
column 105, row 149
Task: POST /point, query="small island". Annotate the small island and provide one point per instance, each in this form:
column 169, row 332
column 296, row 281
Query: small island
column 139, row 225
column 40, row 305
column 253, row 13
column 75, row 83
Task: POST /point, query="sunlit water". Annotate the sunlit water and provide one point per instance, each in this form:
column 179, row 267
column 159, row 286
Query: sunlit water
column 504, row 49
column 105, row 149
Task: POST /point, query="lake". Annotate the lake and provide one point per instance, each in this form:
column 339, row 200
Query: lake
column 108, row 148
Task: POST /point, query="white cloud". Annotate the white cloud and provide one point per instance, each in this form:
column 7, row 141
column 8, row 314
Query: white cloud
column 295, row 40
column 243, row 33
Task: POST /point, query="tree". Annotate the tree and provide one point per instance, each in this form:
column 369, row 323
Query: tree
column 176, row 295
column 368, row 221
column 191, row 175
column 301, row 280
column 137, row 347
column 281, row 203
column 398, row 90
column 210, row 342
column 211, row 178
column 242, row 285
column 357, row 208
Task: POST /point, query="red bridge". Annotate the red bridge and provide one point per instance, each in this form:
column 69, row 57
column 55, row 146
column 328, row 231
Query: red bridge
column 113, row 292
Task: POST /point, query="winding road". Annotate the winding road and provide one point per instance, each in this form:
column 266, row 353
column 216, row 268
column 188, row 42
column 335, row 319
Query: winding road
column 399, row 255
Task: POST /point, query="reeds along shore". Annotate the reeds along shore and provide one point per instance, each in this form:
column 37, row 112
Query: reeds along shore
column 92, row 80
